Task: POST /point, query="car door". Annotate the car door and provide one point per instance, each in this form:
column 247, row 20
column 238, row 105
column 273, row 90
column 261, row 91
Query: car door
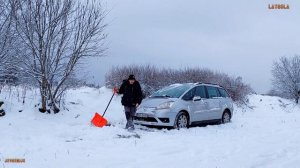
column 201, row 106
column 214, row 102
column 197, row 108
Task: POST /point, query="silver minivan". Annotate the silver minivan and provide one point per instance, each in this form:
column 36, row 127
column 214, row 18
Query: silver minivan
column 182, row 105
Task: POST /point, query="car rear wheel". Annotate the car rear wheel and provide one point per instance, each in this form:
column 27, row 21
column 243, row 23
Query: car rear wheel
column 226, row 117
column 182, row 121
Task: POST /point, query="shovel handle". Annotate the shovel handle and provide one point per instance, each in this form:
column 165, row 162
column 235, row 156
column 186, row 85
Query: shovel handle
column 108, row 104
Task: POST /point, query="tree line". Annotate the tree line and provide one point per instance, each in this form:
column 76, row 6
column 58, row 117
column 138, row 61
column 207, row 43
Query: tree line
column 285, row 78
column 153, row 78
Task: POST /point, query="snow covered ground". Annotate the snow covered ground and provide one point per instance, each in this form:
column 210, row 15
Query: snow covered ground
column 265, row 134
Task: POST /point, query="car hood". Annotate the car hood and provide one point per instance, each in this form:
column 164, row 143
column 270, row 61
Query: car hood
column 154, row 102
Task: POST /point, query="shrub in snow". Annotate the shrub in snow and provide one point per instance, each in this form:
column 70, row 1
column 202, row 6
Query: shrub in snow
column 152, row 78
column 286, row 77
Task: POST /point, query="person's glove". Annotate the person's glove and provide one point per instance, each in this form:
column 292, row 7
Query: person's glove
column 115, row 90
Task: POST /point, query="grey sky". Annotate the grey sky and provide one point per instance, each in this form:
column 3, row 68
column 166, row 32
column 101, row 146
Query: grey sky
column 241, row 38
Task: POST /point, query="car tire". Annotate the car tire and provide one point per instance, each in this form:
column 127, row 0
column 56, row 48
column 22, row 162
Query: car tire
column 226, row 117
column 181, row 121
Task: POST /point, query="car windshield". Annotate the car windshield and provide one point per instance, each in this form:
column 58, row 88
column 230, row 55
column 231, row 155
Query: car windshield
column 174, row 91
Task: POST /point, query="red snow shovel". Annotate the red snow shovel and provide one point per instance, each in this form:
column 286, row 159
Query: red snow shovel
column 98, row 120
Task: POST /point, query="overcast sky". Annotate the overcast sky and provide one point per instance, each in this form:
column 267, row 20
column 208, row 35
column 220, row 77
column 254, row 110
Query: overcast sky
column 241, row 38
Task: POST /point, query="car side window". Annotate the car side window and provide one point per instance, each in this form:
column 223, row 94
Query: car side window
column 223, row 92
column 189, row 95
column 212, row 92
column 200, row 91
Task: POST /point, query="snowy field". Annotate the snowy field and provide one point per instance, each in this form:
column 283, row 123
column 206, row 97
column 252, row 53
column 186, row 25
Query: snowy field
column 264, row 134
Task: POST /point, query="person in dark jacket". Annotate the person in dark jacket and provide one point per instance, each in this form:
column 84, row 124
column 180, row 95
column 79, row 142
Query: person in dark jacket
column 132, row 98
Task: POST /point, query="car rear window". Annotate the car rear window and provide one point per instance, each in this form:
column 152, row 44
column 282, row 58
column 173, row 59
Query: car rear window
column 212, row 92
column 223, row 92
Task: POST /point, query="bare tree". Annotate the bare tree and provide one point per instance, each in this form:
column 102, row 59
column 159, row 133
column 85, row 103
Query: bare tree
column 59, row 36
column 286, row 76
column 5, row 31
column 7, row 42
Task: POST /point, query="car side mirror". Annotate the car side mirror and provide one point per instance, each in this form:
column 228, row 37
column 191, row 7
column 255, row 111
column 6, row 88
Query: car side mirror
column 196, row 98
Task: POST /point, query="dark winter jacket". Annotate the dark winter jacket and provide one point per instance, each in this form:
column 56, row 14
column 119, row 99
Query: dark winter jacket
column 132, row 94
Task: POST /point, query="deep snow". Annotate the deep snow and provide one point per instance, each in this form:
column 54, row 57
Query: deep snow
column 264, row 134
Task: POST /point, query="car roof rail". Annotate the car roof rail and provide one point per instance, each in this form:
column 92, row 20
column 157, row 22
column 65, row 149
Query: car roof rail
column 198, row 83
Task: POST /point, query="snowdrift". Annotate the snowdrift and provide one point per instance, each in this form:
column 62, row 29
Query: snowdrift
column 263, row 134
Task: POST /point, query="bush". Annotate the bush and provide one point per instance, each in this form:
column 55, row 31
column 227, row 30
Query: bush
column 286, row 77
column 152, row 78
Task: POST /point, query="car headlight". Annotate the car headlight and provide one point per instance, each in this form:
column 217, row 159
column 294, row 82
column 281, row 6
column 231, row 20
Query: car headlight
column 165, row 105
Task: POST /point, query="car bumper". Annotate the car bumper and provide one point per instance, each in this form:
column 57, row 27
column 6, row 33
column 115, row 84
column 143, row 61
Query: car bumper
column 152, row 117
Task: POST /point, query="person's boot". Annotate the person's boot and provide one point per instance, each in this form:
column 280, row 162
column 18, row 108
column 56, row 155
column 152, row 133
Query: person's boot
column 130, row 124
column 131, row 128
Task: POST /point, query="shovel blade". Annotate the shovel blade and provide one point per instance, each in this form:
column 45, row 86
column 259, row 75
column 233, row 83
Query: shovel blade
column 99, row 121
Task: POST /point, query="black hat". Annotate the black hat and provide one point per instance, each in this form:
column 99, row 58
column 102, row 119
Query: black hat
column 131, row 77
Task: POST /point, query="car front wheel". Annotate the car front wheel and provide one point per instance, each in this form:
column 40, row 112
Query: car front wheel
column 182, row 121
